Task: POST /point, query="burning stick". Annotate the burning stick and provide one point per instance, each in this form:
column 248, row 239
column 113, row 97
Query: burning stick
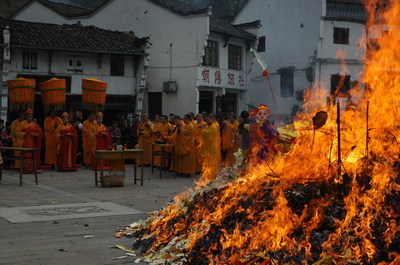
column 339, row 165
column 367, row 141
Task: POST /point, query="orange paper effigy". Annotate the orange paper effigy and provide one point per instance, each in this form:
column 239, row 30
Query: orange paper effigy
column 53, row 94
column 93, row 94
column 21, row 93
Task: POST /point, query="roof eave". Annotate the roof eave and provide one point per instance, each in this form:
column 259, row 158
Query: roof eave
column 78, row 50
column 254, row 38
column 354, row 20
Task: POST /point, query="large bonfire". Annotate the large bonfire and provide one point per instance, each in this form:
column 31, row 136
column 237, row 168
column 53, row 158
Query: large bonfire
column 329, row 200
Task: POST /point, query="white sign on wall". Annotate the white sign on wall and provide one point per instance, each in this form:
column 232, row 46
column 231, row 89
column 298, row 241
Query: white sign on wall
column 216, row 77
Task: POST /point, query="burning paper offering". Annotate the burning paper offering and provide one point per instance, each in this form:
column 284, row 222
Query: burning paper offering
column 338, row 203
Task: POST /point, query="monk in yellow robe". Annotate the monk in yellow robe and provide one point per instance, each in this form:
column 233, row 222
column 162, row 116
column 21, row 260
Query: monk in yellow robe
column 17, row 135
column 32, row 139
column 160, row 131
column 185, row 149
column 50, row 126
column 228, row 140
column 210, row 148
column 145, row 132
column 88, row 139
column 157, row 136
column 197, row 141
column 173, row 139
column 102, row 141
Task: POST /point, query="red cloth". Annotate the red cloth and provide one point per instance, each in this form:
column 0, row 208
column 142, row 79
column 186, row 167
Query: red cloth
column 32, row 141
column 67, row 149
column 103, row 142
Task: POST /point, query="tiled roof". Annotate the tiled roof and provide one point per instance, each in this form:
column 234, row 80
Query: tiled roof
column 71, row 38
column 345, row 1
column 346, row 12
column 225, row 27
column 180, row 7
column 216, row 24
column 66, row 10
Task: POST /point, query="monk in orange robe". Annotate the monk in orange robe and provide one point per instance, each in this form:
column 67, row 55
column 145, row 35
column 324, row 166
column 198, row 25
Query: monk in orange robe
column 17, row 135
column 173, row 139
column 185, row 149
column 228, row 140
column 145, row 132
column 160, row 131
column 210, row 148
column 50, row 126
column 102, row 140
column 32, row 139
column 156, row 136
column 197, row 141
column 88, row 139
column 67, row 144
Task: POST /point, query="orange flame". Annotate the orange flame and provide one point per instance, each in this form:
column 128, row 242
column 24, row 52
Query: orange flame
column 352, row 207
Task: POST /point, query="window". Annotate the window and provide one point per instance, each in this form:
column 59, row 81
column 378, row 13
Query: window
column 75, row 64
column 340, row 84
column 117, row 65
column 234, row 57
column 29, row 60
column 261, row 44
column 287, row 83
column 341, row 35
column 211, row 56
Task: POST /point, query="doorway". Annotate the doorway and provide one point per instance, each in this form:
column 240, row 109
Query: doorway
column 154, row 102
column 206, row 102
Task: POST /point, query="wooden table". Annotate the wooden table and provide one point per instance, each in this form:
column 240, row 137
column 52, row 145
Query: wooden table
column 136, row 154
column 164, row 154
column 21, row 158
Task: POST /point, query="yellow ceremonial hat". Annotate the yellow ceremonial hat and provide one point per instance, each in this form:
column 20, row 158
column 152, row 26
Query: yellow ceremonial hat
column 263, row 106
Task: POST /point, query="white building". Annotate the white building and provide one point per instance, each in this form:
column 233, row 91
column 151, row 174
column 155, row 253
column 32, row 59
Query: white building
column 179, row 79
column 300, row 41
column 42, row 50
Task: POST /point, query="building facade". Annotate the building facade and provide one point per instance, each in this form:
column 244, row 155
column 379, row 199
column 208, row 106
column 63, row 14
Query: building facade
column 198, row 62
column 42, row 51
column 306, row 44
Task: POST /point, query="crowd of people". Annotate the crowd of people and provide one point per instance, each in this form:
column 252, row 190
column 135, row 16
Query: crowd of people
column 207, row 141
column 200, row 143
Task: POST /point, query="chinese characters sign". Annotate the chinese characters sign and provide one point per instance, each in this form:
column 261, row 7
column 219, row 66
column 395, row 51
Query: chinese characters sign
column 215, row 77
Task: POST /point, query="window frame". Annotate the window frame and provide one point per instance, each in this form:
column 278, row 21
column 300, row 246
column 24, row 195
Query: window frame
column 31, row 57
column 120, row 69
column 261, row 44
column 75, row 68
column 341, row 35
column 346, row 86
column 235, row 55
column 210, row 52
column 288, row 85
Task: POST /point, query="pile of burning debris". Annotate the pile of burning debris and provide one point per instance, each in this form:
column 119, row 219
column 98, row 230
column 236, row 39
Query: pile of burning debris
column 296, row 226
column 333, row 198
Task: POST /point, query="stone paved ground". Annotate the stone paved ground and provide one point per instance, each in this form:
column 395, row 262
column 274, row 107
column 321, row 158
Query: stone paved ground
column 63, row 241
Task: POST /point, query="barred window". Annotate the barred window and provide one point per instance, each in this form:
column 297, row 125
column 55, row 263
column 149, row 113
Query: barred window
column 211, row 56
column 234, row 57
